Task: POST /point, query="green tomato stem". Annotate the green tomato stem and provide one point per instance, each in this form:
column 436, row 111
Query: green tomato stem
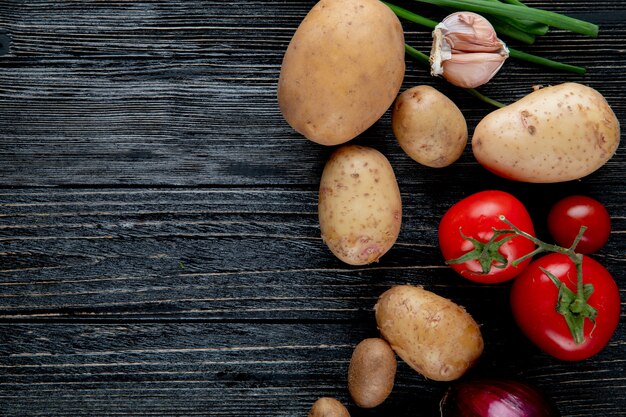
column 541, row 245
column 578, row 237
column 580, row 293
column 572, row 306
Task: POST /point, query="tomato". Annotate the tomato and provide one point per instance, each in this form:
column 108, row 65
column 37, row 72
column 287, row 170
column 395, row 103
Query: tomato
column 475, row 217
column 534, row 299
column 569, row 214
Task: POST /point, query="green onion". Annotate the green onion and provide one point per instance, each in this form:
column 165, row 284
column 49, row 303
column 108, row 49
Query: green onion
column 527, row 26
column 498, row 24
column 424, row 59
column 546, row 62
column 520, row 12
column 412, row 17
column 515, row 2
column 506, row 29
column 484, row 98
column 419, row 56
column 532, row 28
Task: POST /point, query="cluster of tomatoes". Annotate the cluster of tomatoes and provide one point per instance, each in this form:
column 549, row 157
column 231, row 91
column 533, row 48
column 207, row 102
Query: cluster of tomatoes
column 564, row 301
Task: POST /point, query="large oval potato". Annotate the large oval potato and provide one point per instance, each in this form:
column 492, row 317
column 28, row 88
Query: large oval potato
column 435, row 336
column 554, row 134
column 360, row 209
column 429, row 127
column 372, row 372
column 342, row 69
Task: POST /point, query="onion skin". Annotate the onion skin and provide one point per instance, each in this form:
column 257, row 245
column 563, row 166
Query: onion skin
column 495, row 398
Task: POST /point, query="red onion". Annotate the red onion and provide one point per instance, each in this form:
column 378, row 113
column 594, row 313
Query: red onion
column 495, row 398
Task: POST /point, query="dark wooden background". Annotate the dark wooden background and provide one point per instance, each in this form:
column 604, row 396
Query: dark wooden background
column 159, row 244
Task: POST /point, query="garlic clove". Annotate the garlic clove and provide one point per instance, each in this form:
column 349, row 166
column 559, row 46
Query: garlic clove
column 466, row 31
column 472, row 70
column 470, row 42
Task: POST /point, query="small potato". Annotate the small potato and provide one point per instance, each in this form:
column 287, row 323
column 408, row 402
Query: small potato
column 371, row 372
column 342, row 69
column 554, row 134
column 360, row 209
column 429, row 127
column 328, row 407
column 436, row 337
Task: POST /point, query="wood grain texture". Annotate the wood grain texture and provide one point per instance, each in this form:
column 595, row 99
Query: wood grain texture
column 233, row 369
column 159, row 243
column 162, row 294
column 215, row 254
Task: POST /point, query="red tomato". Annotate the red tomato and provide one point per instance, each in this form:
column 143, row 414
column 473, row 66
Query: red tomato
column 569, row 214
column 475, row 217
column 534, row 298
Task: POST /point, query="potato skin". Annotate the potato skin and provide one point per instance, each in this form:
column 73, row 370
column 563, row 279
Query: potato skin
column 372, row 372
column 429, row 127
column 433, row 335
column 554, row 134
column 360, row 209
column 328, row 407
column 342, row 69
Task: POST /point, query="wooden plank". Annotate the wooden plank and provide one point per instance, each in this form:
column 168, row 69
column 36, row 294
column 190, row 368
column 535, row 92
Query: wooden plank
column 234, row 369
column 190, row 253
column 214, row 254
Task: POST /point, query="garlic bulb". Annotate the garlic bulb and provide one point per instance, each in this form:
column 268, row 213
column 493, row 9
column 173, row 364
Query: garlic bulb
column 466, row 50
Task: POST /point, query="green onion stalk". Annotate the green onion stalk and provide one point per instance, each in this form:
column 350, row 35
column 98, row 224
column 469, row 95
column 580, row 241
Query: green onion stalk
column 514, row 53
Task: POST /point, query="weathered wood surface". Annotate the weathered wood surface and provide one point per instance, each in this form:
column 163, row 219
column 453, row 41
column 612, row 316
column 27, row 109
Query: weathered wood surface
column 159, row 245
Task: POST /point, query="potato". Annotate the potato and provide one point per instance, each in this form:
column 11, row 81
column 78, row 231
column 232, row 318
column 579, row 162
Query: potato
column 436, row 337
column 554, row 134
column 429, row 127
column 328, row 407
column 371, row 372
column 360, row 209
column 342, row 69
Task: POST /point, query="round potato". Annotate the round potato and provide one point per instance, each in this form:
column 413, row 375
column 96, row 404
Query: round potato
column 554, row 134
column 436, row 337
column 371, row 372
column 328, row 407
column 342, row 69
column 429, row 127
column 360, row 209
